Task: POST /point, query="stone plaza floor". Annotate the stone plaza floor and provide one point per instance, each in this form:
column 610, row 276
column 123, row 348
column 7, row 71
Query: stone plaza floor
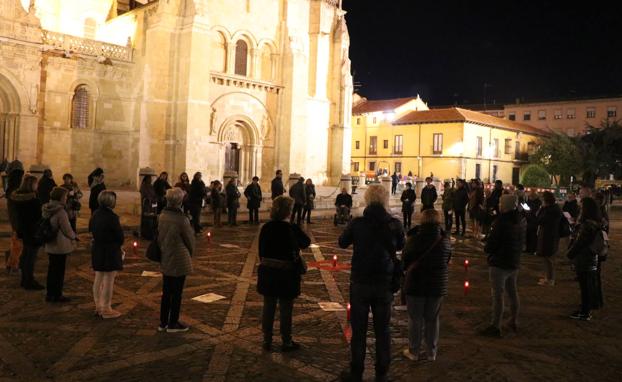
column 41, row 341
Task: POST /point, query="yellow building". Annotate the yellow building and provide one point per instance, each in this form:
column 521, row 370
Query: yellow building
column 404, row 136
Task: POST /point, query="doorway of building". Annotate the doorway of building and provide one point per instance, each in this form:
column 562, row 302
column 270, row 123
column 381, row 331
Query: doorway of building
column 232, row 157
column 515, row 175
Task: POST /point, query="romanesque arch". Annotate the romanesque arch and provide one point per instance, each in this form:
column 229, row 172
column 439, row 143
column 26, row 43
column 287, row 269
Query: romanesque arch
column 239, row 140
column 10, row 109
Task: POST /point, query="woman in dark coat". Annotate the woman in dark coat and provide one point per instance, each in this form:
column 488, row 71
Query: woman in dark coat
column 253, row 198
column 15, row 173
column 106, row 253
column 531, row 240
column 232, row 196
column 427, row 251
column 217, row 201
column 160, row 186
column 310, row 200
column 476, row 207
column 148, row 203
column 278, row 276
column 195, row 200
column 548, row 219
column 27, row 214
column 96, row 184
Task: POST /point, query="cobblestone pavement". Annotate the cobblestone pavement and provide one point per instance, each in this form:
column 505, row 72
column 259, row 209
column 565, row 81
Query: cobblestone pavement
column 41, row 341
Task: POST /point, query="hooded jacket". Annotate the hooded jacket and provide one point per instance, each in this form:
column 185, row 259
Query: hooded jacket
column 27, row 209
column 59, row 220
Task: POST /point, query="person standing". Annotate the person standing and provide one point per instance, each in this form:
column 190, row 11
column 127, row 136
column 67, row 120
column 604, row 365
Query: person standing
column 96, row 184
column 571, row 205
column 297, row 192
column 376, row 236
column 448, row 206
column 279, row 275
column 394, row 182
column 277, row 188
column 534, row 203
column 184, row 185
column 549, row 219
column 15, row 174
column 428, row 195
column 62, row 245
column 28, row 215
column 46, row 184
column 176, row 242
column 160, row 186
column 73, row 205
column 253, row 200
column 460, row 203
column 196, row 198
column 504, row 247
column 106, row 253
column 408, row 204
column 309, row 201
column 476, row 207
column 233, row 201
column 148, row 209
column 426, row 256
column 216, row 200
column 492, row 202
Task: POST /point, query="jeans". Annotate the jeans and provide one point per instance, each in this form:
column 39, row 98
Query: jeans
column 378, row 297
column 267, row 319
column 232, row 215
column 172, row 288
column 501, row 280
column 423, row 318
column 195, row 213
column 460, row 221
column 27, row 264
column 408, row 218
column 297, row 213
column 306, row 213
column 449, row 220
column 102, row 290
column 56, row 274
column 253, row 215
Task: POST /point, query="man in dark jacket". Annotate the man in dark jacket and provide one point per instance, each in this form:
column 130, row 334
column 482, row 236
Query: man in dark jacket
column 504, row 247
column 571, row 206
column 344, row 199
column 460, row 203
column 408, row 204
column 394, row 182
column 298, row 193
column 196, row 198
column 277, row 185
column 253, row 197
column 428, row 195
column 232, row 196
column 46, row 184
column 160, row 187
column 492, row 204
column 376, row 236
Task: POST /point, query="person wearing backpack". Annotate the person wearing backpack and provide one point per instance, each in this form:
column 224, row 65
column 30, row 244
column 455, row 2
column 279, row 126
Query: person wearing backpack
column 549, row 219
column 426, row 256
column 584, row 252
column 28, row 215
column 59, row 247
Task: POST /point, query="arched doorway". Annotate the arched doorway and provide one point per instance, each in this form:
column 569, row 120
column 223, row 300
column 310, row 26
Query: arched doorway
column 9, row 120
column 240, row 151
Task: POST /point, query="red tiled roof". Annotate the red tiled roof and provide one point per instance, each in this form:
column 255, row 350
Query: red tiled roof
column 372, row 106
column 455, row 114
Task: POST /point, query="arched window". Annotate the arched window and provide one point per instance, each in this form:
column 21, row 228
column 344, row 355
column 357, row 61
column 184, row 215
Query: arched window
column 241, row 58
column 80, row 108
column 218, row 59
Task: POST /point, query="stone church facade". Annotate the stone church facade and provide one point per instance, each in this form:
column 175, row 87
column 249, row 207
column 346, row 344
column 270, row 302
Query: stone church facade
column 176, row 85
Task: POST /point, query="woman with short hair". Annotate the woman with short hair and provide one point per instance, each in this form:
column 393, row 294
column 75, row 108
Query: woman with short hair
column 106, row 253
column 176, row 242
column 278, row 276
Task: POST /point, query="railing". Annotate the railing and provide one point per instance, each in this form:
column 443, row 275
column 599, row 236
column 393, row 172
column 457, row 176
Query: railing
column 87, row 47
column 243, row 82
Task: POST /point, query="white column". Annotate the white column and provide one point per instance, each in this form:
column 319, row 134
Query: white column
column 230, row 57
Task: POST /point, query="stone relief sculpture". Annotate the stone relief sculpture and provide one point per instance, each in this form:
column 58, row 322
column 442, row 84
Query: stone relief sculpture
column 265, row 127
column 212, row 122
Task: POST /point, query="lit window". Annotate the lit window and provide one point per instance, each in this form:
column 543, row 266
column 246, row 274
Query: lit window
column 398, row 144
column 571, row 113
column 385, row 144
column 372, row 166
column 558, row 114
column 527, row 116
column 355, row 166
column 541, row 115
column 590, row 112
column 611, row 111
column 437, row 147
column 480, row 147
column 80, row 108
column 241, row 58
column 508, row 146
column 357, row 144
column 373, row 145
column 512, row 116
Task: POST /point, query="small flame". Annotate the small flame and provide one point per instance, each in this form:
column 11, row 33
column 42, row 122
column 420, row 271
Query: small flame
column 135, row 244
column 466, row 284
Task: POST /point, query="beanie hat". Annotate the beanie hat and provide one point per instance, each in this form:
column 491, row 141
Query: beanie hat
column 507, row 203
column 57, row 193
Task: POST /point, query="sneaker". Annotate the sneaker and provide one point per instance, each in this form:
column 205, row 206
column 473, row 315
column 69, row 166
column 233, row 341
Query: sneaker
column 162, row 328
column 431, row 358
column 406, row 353
column 177, row 328
column 491, row 331
column 111, row 314
column 291, row 346
column 581, row 316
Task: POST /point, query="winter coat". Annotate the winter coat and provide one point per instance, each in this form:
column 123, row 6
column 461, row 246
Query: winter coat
column 59, row 220
column 448, row 199
column 572, row 207
column 492, row 204
column 28, row 215
column 232, row 196
column 310, row 196
column 44, row 188
column 505, row 241
column 197, row 193
column 476, row 202
column 106, row 252
column 280, row 241
column 430, row 276
column 460, row 199
column 297, row 192
column 73, row 200
column 185, row 186
column 277, row 187
column 13, row 181
column 376, row 236
column 95, row 191
column 344, row 200
column 408, row 200
column 160, row 187
column 580, row 252
column 549, row 219
column 253, row 196
column 428, row 196
column 216, row 199
column 176, row 241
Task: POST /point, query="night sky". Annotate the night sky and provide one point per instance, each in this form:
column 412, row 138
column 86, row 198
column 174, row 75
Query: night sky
column 447, row 50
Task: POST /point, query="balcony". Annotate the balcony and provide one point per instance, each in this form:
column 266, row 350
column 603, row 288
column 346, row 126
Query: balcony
column 244, row 83
column 521, row 156
column 87, row 47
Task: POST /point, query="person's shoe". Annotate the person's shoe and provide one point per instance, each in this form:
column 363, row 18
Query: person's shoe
column 406, row 353
column 431, row 357
column 110, row 314
column 290, row 346
column 267, row 345
column 34, row 286
column 513, row 327
column 581, row 316
column 62, row 299
column 162, row 328
column 177, row 328
column 491, row 331
column 50, row 298
column 347, row 376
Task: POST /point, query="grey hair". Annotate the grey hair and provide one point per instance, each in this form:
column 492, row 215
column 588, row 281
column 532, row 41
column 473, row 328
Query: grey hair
column 377, row 194
column 107, row 199
column 174, row 197
column 281, row 208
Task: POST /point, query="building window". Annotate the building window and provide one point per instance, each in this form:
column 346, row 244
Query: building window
column 385, row 144
column 357, row 145
column 80, row 108
column 558, row 114
column 358, row 121
column 373, row 145
column 241, row 58
column 398, row 144
column 355, row 166
column 512, row 116
column 372, row 166
column 531, row 148
column 374, row 120
column 398, row 167
column 590, row 112
column 508, row 146
column 478, row 171
column 517, row 150
column 437, row 148
column 611, row 112
column 571, row 113
column 480, row 147
column 495, row 147
column 527, row 116
column 494, row 172
column 541, row 115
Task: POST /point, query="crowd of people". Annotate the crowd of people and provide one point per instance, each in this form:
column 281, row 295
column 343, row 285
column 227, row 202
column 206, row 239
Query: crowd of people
column 43, row 215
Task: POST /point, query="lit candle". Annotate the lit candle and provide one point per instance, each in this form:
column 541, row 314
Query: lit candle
column 209, row 237
column 466, row 288
column 335, row 261
column 135, row 247
column 348, row 312
column 466, row 264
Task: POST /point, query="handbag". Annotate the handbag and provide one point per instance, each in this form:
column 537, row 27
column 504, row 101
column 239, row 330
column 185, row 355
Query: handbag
column 154, row 252
column 300, row 265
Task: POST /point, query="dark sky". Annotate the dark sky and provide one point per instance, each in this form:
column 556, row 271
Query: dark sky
column 447, row 50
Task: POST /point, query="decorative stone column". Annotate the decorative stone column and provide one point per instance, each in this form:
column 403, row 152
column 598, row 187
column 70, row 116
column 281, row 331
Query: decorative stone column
column 346, row 182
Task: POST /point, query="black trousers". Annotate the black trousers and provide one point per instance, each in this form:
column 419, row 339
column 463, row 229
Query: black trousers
column 73, row 223
column 587, row 284
column 195, row 213
column 449, row 220
column 378, row 298
column 460, row 221
column 27, row 264
column 267, row 320
column 253, row 215
column 232, row 215
column 172, row 288
column 306, row 213
column 297, row 213
column 393, row 188
column 56, row 274
column 408, row 215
